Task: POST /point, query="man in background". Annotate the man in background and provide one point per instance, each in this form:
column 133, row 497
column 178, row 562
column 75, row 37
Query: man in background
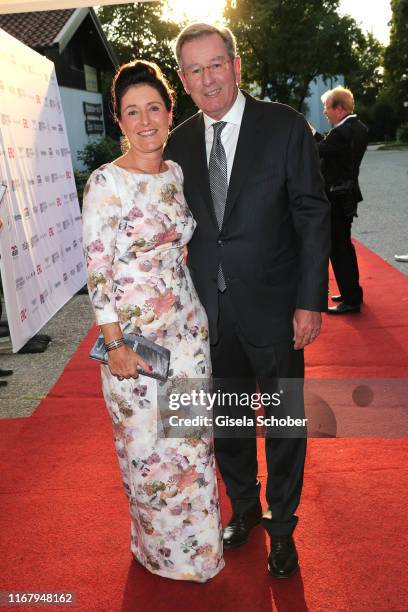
column 341, row 152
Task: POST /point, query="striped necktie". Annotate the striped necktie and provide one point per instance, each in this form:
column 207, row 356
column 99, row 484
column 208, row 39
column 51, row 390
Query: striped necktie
column 217, row 168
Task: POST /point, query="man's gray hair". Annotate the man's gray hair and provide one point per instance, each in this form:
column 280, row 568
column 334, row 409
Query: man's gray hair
column 198, row 30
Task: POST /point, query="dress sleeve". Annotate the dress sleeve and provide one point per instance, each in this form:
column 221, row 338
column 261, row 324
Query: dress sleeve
column 177, row 171
column 101, row 214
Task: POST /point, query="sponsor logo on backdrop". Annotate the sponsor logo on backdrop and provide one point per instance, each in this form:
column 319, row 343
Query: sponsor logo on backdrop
column 25, row 246
column 20, row 282
column 34, row 240
column 14, row 250
column 43, row 206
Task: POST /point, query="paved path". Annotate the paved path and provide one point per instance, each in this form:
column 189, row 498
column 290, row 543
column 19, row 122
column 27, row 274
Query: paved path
column 382, row 226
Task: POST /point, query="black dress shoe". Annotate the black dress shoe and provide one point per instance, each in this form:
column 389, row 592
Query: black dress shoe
column 3, row 383
column 5, row 373
column 343, row 308
column 283, row 559
column 337, row 298
column 237, row 530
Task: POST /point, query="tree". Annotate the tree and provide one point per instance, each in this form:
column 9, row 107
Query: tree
column 138, row 31
column 286, row 44
column 366, row 79
column 396, row 59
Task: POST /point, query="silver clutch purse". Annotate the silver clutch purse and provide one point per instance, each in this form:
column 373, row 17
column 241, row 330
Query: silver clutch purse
column 155, row 355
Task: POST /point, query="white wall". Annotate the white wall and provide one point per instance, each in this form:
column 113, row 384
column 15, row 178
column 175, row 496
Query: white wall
column 72, row 103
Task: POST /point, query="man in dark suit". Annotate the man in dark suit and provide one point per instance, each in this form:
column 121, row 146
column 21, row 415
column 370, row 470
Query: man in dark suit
column 341, row 152
column 259, row 259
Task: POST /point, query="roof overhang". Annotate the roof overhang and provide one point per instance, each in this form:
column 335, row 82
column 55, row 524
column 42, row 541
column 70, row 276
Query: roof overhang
column 25, row 6
column 73, row 24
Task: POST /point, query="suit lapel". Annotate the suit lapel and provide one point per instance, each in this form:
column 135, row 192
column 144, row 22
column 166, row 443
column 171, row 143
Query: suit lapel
column 199, row 166
column 249, row 142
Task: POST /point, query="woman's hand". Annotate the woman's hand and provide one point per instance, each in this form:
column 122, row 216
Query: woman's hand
column 123, row 363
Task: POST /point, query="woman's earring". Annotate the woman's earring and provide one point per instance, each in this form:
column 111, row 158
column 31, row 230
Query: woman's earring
column 124, row 144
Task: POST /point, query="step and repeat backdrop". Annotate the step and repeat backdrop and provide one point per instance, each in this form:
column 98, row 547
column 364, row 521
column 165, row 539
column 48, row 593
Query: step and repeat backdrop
column 42, row 263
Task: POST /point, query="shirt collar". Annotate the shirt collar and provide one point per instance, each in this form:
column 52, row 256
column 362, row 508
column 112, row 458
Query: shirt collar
column 234, row 115
column 345, row 119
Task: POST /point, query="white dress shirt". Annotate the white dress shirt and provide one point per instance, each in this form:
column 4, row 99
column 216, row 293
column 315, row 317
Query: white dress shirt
column 343, row 120
column 230, row 133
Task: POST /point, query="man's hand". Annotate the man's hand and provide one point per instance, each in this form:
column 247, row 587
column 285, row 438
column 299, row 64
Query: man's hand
column 306, row 327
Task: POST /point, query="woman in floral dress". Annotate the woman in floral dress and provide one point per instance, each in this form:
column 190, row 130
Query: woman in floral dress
column 136, row 225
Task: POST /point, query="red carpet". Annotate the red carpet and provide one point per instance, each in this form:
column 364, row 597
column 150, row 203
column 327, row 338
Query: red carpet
column 64, row 521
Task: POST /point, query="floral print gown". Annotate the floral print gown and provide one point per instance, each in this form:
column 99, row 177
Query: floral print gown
column 134, row 228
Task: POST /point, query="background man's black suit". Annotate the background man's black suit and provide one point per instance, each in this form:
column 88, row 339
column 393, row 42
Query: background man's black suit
column 342, row 151
column 274, row 248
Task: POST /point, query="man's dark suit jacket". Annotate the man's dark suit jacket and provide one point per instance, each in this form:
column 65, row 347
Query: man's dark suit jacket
column 274, row 243
column 340, row 159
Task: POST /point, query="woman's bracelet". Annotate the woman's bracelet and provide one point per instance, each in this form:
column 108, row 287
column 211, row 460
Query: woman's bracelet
column 114, row 344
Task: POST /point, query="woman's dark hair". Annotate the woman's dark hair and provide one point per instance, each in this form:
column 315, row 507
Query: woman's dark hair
column 139, row 72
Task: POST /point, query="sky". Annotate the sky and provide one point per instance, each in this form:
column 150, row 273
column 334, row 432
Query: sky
column 372, row 15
